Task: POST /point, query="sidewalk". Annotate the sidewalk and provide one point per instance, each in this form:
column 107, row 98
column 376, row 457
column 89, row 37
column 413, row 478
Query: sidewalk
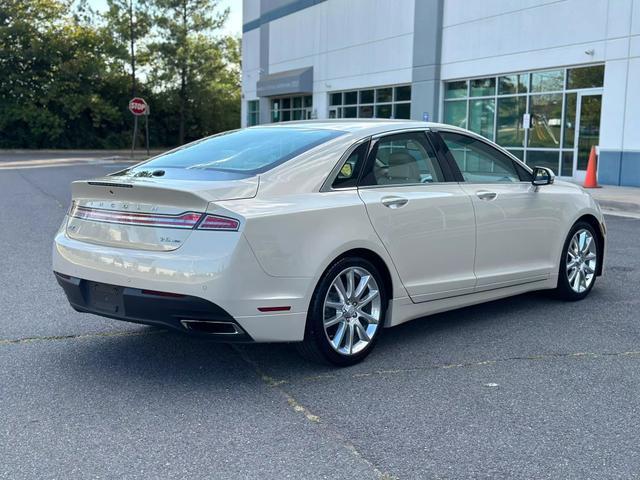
column 615, row 200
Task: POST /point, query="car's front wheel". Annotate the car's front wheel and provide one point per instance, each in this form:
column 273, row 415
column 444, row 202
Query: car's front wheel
column 347, row 313
column 579, row 263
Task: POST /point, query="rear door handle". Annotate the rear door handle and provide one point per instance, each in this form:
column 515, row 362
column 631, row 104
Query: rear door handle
column 486, row 195
column 394, row 202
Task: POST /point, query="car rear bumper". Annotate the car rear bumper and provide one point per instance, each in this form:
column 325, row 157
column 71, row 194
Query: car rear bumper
column 222, row 274
column 178, row 312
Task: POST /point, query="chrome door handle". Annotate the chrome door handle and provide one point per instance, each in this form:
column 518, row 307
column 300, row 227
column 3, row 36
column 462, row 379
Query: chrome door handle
column 394, row 202
column 485, row 195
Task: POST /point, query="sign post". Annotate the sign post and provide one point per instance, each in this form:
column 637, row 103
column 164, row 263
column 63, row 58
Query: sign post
column 138, row 107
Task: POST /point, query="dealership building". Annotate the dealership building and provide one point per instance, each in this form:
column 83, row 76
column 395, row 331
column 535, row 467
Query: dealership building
column 546, row 79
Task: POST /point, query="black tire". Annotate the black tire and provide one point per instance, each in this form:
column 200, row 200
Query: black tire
column 564, row 290
column 316, row 346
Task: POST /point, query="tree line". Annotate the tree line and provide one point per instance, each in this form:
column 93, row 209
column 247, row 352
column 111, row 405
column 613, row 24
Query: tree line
column 67, row 72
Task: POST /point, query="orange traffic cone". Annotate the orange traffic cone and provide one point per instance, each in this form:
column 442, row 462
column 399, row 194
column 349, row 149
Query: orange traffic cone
column 591, row 179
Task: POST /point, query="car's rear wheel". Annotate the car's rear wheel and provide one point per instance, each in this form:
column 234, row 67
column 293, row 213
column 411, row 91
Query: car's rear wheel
column 579, row 263
column 347, row 313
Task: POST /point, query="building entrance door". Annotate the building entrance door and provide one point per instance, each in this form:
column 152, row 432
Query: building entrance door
column 587, row 132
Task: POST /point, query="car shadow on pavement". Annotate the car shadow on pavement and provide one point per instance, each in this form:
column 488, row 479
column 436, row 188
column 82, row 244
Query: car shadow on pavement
column 491, row 330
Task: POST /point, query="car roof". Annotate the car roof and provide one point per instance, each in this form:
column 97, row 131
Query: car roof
column 362, row 127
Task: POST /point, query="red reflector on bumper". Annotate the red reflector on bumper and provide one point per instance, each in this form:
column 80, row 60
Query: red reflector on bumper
column 274, row 309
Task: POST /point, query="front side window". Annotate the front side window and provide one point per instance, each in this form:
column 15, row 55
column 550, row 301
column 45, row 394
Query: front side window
column 405, row 158
column 479, row 162
column 249, row 151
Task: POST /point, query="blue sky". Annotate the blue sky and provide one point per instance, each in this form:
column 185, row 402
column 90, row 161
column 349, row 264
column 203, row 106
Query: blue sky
column 232, row 27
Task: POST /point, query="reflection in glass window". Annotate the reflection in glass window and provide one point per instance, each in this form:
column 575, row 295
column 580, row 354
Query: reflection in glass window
column 567, row 164
column 510, row 131
column 512, row 84
column 547, row 81
column 482, row 87
column 455, row 89
column 383, row 102
column 536, row 158
column 384, row 95
column 253, row 112
column 383, row 111
column 455, row 113
column 585, row 77
column 546, row 120
column 481, row 115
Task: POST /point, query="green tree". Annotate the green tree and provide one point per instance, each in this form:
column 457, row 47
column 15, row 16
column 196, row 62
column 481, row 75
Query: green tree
column 56, row 84
column 182, row 48
column 130, row 22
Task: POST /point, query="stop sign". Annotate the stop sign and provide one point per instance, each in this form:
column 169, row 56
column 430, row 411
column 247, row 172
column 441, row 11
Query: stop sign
column 138, row 106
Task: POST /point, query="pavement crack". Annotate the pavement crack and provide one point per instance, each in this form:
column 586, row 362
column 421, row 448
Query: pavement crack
column 17, row 341
column 445, row 366
column 311, row 417
column 41, row 190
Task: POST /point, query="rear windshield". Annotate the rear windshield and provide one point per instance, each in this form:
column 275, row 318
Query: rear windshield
column 241, row 152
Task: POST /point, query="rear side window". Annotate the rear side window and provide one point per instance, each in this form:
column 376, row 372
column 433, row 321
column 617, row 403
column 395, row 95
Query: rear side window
column 350, row 170
column 405, row 158
column 479, row 162
column 248, row 151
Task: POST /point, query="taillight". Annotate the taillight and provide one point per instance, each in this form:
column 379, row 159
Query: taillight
column 216, row 222
column 183, row 220
column 186, row 220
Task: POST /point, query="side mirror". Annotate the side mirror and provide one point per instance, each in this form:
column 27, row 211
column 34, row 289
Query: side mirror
column 542, row 176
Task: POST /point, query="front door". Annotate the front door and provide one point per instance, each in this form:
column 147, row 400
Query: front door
column 426, row 223
column 587, row 132
column 517, row 225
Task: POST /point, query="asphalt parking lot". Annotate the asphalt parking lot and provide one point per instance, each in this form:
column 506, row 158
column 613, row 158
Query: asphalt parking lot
column 527, row 387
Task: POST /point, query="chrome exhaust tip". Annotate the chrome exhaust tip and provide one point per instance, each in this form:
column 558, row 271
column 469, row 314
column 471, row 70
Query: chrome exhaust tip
column 211, row 327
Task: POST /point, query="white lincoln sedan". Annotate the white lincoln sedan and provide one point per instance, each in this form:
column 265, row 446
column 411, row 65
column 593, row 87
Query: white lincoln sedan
column 323, row 233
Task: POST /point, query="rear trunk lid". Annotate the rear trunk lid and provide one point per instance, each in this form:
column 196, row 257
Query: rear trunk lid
column 146, row 213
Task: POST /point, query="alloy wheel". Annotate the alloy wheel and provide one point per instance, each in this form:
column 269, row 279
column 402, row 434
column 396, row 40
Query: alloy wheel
column 581, row 260
column 352, row 311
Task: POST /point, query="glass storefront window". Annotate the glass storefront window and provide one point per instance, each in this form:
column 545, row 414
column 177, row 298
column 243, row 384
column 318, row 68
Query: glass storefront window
column 350, row 98
column 285, row 109
column 253, row 112
column 564, row 107
column 483, row 87
column 384, row 95
column 402, row 110
column 510, row 131
column 455, row 89
column 481, row 115
column 549, row 159
column 512, row 84
column 383, row 111
column 366, row 96
column 585, row 77
column 382, row 102
column 547, row 81
column 517, row 153
column 403, row 93
column 546, row 120
column 455, row 113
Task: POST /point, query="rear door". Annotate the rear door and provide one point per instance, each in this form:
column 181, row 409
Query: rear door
column 516, row 224
column 424, row 219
